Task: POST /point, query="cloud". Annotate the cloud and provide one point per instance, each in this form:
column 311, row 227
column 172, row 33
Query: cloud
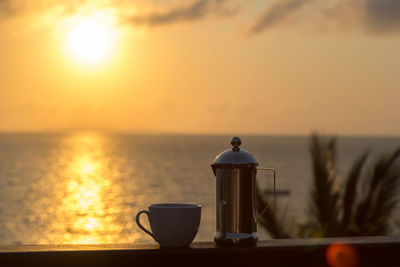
column 277, row 12
column 377, row 16
column 383, row 15
column 14, row 8
column 182, row 12
column 373, row 16
column 194, row 11
column 6, row 8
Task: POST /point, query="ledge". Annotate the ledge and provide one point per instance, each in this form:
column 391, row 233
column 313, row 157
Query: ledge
column 370, row 251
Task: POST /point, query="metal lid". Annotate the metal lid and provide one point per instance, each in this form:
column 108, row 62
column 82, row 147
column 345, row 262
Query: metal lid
column 235, row 156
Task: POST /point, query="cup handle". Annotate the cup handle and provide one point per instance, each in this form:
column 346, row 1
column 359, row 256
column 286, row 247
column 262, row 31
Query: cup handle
column 141, row 226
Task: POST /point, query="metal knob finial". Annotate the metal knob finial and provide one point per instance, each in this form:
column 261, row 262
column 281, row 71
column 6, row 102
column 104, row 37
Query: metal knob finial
column 236, row 142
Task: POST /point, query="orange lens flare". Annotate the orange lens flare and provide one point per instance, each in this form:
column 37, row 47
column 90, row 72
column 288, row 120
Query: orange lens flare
column 341, row 255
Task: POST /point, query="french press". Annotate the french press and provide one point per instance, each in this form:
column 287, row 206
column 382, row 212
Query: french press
column 235, row 171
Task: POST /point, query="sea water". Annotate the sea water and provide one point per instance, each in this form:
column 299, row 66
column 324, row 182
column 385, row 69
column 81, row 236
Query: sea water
column 86, row 187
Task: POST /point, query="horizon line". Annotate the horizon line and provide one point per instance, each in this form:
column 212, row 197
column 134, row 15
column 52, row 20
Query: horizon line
column 126, row 132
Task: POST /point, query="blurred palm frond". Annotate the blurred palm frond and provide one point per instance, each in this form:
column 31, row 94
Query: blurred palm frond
column 380, row 197
column 324, row 194
column 277, row 226
column 350, row 192
column 354, row 210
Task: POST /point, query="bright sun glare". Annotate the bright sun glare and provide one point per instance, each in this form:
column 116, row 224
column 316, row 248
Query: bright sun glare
column 91, row 38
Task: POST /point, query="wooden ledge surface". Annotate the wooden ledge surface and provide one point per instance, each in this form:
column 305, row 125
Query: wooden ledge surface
column 264, row 244
column 370, row 251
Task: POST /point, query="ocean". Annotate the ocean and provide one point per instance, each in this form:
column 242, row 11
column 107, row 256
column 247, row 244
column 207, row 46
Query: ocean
column 86, row 187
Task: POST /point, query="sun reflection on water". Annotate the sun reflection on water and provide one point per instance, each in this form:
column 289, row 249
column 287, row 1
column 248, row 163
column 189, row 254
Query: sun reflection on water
column 87, row 187
column 89, row 195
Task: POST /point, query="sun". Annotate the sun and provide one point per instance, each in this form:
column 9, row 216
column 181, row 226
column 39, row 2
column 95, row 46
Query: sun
column 91, row 38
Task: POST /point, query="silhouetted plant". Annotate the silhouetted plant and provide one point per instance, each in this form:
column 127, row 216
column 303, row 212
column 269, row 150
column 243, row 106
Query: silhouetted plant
column 362, row 207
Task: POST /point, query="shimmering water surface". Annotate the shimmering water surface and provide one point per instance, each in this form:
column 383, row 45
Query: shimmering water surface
column 86, row 187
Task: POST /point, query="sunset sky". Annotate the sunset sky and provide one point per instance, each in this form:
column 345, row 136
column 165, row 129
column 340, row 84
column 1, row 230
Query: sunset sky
column 201, row 66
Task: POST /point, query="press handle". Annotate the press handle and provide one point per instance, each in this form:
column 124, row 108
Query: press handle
column 141, row 226
column 273, row 200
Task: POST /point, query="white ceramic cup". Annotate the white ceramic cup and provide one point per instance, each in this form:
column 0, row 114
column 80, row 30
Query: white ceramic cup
column 172, row 224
